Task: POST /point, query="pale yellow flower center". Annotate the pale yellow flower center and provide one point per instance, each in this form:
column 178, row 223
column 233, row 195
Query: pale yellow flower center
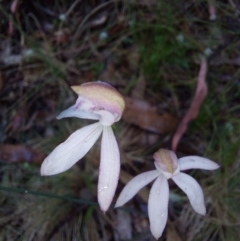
column 166, row 159
column 102, row 94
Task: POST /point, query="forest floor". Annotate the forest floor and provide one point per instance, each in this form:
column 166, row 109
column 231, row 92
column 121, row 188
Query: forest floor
column 150, row 51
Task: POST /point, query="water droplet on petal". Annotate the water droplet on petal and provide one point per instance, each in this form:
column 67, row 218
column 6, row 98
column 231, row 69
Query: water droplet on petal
column 102, row 188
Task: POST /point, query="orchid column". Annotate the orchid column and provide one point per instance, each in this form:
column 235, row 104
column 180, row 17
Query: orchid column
column 96, row 101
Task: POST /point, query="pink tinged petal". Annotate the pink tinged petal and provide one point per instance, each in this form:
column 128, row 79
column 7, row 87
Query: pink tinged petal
column 73, row 112
column 109, row 168
column 193, row 190
column 73, row 149
column 103, row 96
column 134, row 185
column 158, row 206
column 196, row 162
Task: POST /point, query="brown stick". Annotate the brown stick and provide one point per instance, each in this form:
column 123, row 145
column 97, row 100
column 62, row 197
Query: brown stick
column 200, row 94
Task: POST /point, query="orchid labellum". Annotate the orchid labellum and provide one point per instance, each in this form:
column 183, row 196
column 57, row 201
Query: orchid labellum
column 96, row 101
column 167, row 166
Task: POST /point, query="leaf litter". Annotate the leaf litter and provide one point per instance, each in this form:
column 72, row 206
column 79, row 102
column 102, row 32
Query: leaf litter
column 35, row 87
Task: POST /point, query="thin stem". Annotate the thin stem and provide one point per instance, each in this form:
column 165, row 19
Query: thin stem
column 49, row 195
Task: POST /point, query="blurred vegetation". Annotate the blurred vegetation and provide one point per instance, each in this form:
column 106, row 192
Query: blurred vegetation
column 148, row 50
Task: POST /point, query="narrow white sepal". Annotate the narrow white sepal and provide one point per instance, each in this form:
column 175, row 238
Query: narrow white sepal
column 134, row 185
column 73, row 112
column 193, row 190
column 109, row 168
column 196, row 162
column 158, row 206
column 73, row 149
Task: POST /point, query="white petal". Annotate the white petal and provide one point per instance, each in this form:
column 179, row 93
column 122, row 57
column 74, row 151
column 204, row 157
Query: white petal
column 73, row 112
column 106, row 118
column 135, row 185
column 193, row 190
column 109, row 168
column 69, row 152
column 158, row 206
column 198, row 162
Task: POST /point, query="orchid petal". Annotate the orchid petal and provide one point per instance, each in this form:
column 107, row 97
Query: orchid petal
column 69, row 152
column 106, row 118
column 193, row 190
column 74, row 112
column 135, row 185
column 196, row 162
column 109, row 168
column 158, row 206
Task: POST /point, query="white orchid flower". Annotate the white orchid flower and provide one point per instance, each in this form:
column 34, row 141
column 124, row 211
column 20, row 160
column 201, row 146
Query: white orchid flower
column 167, row 166
column 96, row 101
